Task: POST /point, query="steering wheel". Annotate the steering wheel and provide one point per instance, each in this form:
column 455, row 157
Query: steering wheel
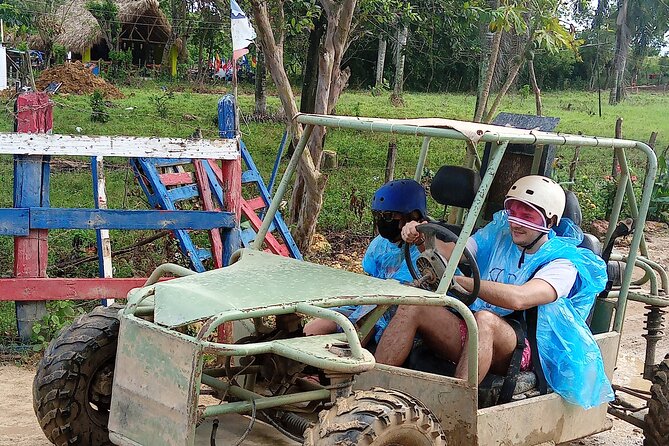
column 431, row 265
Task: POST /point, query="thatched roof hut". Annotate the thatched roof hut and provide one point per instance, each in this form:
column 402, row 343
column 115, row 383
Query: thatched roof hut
column 144, row 25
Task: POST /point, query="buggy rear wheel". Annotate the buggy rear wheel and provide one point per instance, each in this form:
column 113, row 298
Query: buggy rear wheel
column 656, row 431
column 376, row 417
column 72, row 387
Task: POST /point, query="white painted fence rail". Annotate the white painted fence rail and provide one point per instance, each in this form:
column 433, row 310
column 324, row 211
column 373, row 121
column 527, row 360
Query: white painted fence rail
column 125, row 146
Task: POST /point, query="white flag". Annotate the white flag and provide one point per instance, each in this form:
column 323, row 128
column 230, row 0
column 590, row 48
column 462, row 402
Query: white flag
column 241, row 30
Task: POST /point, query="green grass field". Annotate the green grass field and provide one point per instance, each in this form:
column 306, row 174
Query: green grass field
column 361, row 158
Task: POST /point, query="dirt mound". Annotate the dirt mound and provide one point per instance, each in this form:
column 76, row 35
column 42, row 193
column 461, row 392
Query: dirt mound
column 77, row 79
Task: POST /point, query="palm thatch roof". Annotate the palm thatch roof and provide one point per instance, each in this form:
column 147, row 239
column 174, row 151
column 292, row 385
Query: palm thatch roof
column 80, row 30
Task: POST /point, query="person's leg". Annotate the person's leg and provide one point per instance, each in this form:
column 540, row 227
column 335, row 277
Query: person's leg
column 438, row 327
column 320, row 327
column 497, row 341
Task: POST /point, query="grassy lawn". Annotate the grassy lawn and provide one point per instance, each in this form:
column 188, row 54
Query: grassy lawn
column 361, row 158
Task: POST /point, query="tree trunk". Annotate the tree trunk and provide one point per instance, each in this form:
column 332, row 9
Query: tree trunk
column 200, row 58
column 166, row 62
column 310, row 79
column 380, row 62
column 513, row 73
column 402, row 35
column 331, row 81
column 623, row 37
column 261, row 84
column 482, row 101
column 599, row 14
column 308, row 101
column 273, row 52
column 535, row 86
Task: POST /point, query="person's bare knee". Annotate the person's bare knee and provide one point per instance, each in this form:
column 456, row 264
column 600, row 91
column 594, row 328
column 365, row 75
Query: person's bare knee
column 503, row 337
column 320, row 327
column 485, row 318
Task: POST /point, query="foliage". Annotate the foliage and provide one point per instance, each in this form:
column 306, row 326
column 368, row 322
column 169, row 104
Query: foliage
column 441, row 52
column 556, row 71
column 106, row 14
column 659, row 202
column 60, row 315
column 161, row 102
column 13, row 14
column 120, row 66
column 99, row 111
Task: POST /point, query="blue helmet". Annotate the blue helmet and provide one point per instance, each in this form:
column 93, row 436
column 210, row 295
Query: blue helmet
column 403, row 196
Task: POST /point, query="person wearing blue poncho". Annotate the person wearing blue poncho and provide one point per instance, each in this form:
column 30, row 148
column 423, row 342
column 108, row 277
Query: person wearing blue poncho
column 394, row 204
column 529, row 263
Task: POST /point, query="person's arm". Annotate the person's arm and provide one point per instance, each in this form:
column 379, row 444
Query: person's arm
column 554, row 280
column 512, row 297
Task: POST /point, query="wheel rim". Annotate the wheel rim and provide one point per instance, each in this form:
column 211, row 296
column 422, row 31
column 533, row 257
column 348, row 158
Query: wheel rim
column 98, row 393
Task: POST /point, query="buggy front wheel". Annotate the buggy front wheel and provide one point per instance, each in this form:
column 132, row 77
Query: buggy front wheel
column 72, row 387
column 656, row 430
column 376, row 417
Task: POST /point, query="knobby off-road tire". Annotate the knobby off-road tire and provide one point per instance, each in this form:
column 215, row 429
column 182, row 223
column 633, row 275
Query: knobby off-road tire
column 376, row 417
column 72, row 387
column 656, row 432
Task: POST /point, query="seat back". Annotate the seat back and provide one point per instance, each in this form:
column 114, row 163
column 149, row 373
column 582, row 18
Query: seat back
column 455, row 186
column 572, row 208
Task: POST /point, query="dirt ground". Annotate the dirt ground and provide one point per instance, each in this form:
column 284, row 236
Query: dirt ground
column 19, row 427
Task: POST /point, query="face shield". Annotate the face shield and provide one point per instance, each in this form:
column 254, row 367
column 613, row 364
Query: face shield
column 525, row 214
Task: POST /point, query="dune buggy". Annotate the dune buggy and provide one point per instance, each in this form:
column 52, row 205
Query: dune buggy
column 143, row 374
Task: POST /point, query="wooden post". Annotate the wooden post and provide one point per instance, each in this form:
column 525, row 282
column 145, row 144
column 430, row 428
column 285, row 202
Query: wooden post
column 31, row 189
column 102, row 235
column 572, row 167
column 232, row 189
column 390, row 161
column 86, row 55
column 652, row 140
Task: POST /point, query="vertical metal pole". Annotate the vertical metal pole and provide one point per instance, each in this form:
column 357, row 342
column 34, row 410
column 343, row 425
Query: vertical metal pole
column 422, row 158
column 536, row 160
column 283, row 186
column 624, row 189
column 497, row 153
column 637, row 237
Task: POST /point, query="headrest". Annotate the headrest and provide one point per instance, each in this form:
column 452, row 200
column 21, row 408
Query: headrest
column 455, row 186
column 572, row 208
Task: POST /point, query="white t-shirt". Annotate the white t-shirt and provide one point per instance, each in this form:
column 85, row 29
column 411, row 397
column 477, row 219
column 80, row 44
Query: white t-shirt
column 559, row 273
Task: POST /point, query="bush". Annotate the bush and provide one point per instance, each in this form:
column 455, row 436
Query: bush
column 99, row 111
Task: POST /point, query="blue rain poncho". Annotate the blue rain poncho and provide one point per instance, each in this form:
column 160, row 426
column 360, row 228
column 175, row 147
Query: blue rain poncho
column 570, row 357
column 384, row 260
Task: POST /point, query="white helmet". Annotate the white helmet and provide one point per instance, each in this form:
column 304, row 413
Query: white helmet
column 541, row 192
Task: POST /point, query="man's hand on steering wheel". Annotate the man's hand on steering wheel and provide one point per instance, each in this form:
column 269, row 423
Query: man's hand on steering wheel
column 432, row 264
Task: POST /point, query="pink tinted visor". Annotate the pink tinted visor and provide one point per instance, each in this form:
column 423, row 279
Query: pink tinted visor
column 525, row 214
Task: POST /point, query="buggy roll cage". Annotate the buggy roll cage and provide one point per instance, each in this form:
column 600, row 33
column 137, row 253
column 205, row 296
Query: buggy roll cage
column 500, row 137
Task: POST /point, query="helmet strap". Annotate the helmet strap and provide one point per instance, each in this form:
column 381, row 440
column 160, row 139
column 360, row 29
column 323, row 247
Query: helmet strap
column 526, row 247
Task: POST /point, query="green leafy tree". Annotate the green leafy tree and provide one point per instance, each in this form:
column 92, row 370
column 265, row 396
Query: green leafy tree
column 105, row 13
column 537, row 23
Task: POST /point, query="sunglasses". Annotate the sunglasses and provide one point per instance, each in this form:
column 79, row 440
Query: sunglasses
column 385, row 216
